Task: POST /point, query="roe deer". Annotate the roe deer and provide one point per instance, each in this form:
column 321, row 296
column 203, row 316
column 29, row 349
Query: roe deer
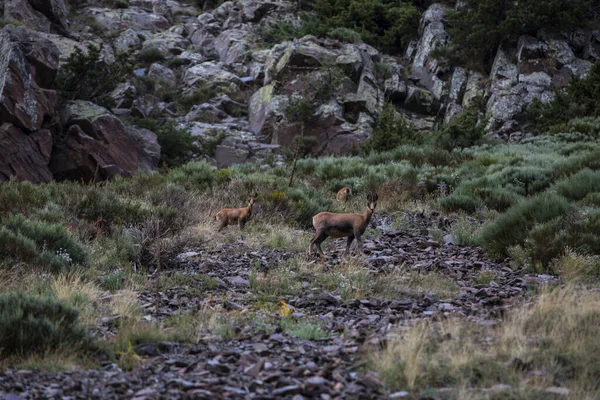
column 229, row 216
column 343, row 194
column 342, row 225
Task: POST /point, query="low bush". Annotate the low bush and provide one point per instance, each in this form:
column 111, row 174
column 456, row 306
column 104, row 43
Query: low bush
column 177, row 146
column 33, row 325
column 579, row 100
column 41, row 243
column 21, row 196
column 86, row 76
column 391, row 130
column 344, row 35
column 465, row 130
column 458, row 202
column 381, row 23
column 193, row 175
column 580, row 185
column 109, row 209
column 149, row 55
column 198, row 96
column 513, row 227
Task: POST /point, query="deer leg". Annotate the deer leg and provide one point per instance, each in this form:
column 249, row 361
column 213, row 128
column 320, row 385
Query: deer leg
column 312, row 242
column 348, row 243
column 319, row 237
column 359, row 241
column 222, row 225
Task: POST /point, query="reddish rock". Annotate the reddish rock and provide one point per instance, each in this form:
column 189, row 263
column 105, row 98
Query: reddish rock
column 28, row 65
column 24, row 156
column 98, row 146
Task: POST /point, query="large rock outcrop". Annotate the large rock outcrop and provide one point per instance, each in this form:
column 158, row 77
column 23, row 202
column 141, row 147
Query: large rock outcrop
column 28, row 66
column 49, row 16
column 97, row 146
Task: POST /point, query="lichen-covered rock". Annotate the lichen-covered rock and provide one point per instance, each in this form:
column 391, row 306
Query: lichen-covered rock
column 458, row 85
column 163, row 75
column 135, row 18
column 302, row 55
column 97, row 146
column 28, row 66
column 433, row 36
column 123, row 95
column 55, row 11
column 264, row 110
column 211, row 74
column 127, row 40
column 369, row 91
column 255, row 10
column 25, row 156
column 351, row 62
column 67, row 46
column 591, row 47
column 395, row 89
column 40, row 15
column 420, row 101
column 232, row 46
column 170, row 43
column 475, row 88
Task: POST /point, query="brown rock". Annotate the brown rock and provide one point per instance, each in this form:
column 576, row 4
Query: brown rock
column 24, row 156
column 28, row 65
column 98, row 146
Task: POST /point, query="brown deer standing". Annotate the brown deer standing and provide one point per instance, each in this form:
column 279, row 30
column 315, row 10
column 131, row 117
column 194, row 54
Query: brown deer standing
column 343, row 194
column 229, row 216
column 342, row 225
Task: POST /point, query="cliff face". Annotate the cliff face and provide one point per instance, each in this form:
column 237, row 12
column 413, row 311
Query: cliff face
column 243, row 94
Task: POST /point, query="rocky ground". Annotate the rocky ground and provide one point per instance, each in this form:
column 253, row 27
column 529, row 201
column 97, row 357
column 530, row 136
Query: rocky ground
column 260, row 360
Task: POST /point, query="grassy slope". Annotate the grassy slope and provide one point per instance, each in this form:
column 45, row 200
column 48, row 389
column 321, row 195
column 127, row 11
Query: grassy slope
column 104, row 237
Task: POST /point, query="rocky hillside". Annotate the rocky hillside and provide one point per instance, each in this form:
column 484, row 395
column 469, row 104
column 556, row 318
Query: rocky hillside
column 222, row 76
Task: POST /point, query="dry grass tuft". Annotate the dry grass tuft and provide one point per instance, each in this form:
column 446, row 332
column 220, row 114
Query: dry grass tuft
column 547, row 343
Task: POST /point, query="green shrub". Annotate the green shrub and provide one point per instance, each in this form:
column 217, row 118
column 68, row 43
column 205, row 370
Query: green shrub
column 198, row 96
column 383, row 71
column 575, row 163
column 382, row 23
column 46, row 244
column 462, row 131
column 177, row 146
column 85, row 76
column 21, row 196
column 120, row 4
column 33, row 325
column 344, row 35
column 513, row 227
column 149, row 55
column 279, row 32
column 530, row 179
column 499, row 199
column 391, row 130
column 102, row 205
column 478, row 28
column 578, row 186
column 457, row 202
column 193, row 175
column 580, row 99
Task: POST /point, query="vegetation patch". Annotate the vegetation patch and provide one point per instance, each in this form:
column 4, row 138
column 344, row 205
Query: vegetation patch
column 552, row 335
